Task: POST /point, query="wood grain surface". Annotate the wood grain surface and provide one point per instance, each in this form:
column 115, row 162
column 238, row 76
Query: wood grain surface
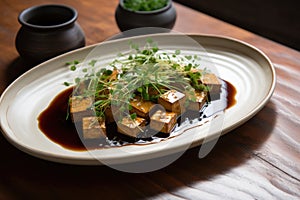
column 258, row 160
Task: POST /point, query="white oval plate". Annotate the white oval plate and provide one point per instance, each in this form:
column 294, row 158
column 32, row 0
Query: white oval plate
column 244, row 66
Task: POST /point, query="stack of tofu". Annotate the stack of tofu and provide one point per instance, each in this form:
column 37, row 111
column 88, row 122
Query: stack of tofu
column 162, row 118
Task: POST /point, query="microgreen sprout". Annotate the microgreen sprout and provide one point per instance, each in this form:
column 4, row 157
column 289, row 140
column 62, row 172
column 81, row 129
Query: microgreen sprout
column 144, row 5
column 145, row 71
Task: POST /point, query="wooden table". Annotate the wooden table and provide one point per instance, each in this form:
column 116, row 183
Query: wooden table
column 258, row 160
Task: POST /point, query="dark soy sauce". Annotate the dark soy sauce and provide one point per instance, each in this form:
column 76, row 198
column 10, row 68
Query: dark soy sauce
column 54, row 124
column 53, row 121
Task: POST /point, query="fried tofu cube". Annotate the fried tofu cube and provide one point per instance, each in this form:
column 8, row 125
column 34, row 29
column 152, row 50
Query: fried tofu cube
column 113, row 113
column 93, row 128
column 173, row 101
column 163, row 121
column 212, row 81
column 80, row 107
column 141, row 107
column 131, row 127
column 200, row 99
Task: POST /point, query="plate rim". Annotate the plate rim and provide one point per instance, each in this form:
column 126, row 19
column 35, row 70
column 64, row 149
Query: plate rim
column 68, row 159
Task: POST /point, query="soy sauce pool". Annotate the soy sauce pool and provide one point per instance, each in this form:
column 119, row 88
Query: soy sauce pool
column 53, row 121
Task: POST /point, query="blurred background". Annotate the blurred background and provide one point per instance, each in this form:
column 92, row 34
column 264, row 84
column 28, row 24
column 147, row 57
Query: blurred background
column 274, row 19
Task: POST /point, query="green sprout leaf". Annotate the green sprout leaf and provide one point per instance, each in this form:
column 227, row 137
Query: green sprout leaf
column 133, row 116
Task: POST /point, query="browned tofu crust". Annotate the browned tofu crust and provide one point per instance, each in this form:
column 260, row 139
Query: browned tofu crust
column 141, row 107
column 173, row 101
column 93, row 128
column 201, row 98
column 213, row 82
column 80, row 107
column 163, row 121
column 131, row 127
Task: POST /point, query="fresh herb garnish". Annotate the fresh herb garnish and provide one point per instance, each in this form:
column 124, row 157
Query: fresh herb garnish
column 147, row 72
column 144, row 5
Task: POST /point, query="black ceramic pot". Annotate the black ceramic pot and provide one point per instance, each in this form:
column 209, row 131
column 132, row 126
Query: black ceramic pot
column 47, row 31
column 162, row 18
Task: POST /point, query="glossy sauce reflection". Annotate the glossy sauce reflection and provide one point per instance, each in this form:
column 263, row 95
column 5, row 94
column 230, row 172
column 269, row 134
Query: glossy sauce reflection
column 53, row 123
